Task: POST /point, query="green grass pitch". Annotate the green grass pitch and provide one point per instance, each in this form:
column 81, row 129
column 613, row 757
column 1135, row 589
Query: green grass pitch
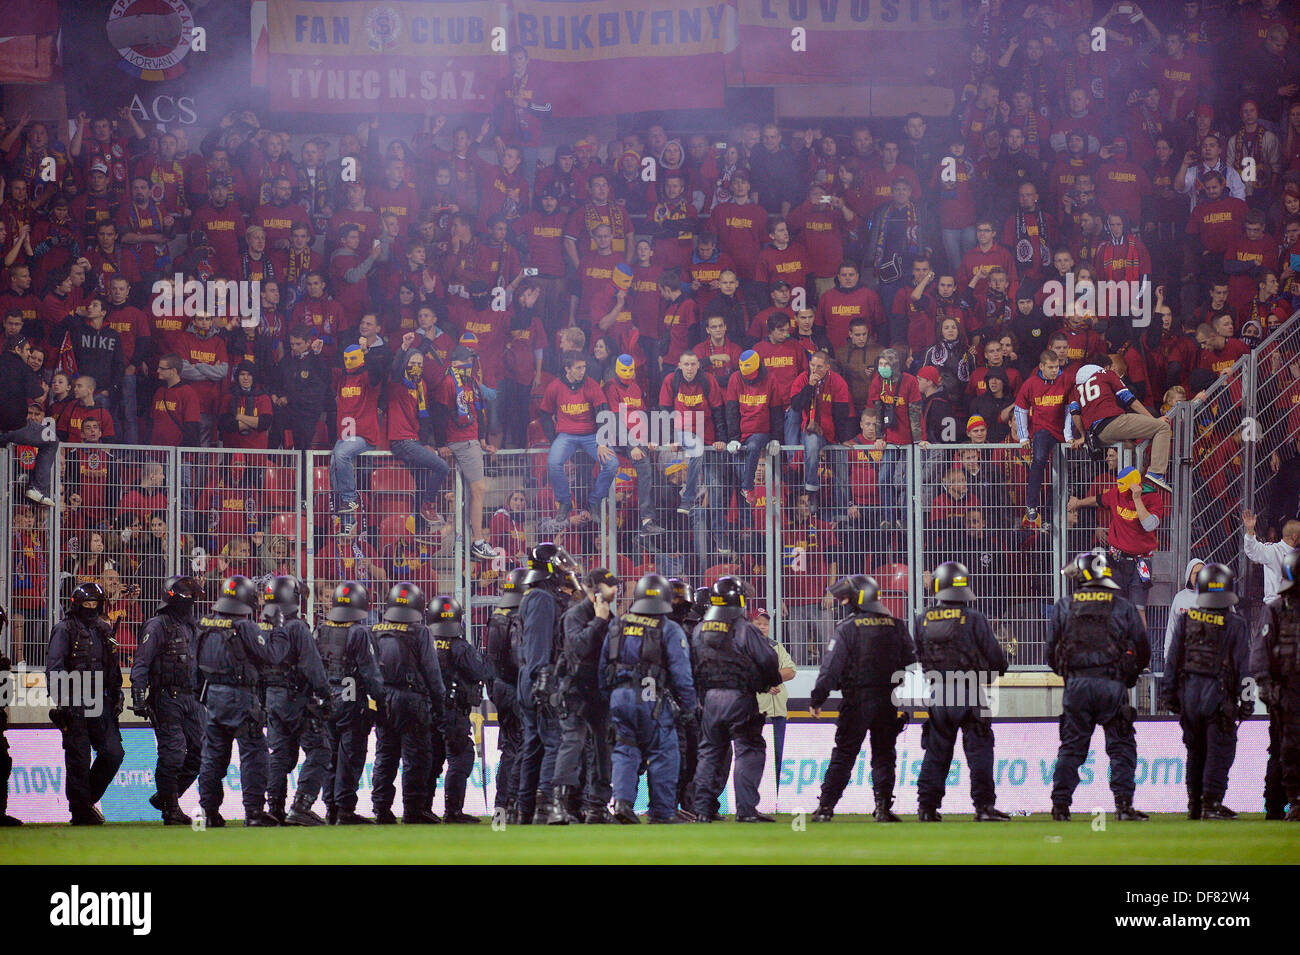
column 1166, row 839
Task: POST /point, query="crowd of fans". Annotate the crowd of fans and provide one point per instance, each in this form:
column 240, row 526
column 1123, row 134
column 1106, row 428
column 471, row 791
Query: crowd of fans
column 857, row 289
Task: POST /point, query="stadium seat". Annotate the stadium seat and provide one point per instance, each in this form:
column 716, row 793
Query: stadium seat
column 281, row 484
column 894, row 579
column 393, row 527
column 321, row 500
column 720, row 570
column 282, row 525
column 392, row 491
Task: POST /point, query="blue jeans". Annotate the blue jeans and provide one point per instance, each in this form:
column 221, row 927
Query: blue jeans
column 343, row 467
column 956, row 243
column 753, row 451
column 427, row 468
column 128, row 412
column 793, row 427
column 32, row 435
column 1043, row 444
column 562, row 448
column 893, row 480
column 813, row 446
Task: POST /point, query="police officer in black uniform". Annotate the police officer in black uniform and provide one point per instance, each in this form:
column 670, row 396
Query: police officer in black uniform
column 6, row 761
column 584, row 710
column 733, row 662
column 297, row 700
column 343, row 642
column 85, row 686
column 1099, row 645
column 956, row 647
column 552, row 581
column 463, row 673
column 412, row 706
column 1207, row 659
column 232, row 650
column 1275, row 663
column 864, row 661
column 498, row 641
column 686, row 613
column 646, row 670
column 162, row 689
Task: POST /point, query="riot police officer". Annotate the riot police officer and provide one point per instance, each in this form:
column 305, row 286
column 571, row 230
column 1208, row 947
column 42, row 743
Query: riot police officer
column 647, row 672
column 733, row 662
column 864, row 661
column 343, row 642
column 162, row 689
column 297, row 698
column 85, row 686
column 6, row 761
column 552, row 581
column 687, row 611
column 463, row 674
column 584, row 710
column 957, row 649
column 1276, row 667
column 1099, row 644
column 412, row 706
column 232, row 650
column 498, row 643
column 1207, row 659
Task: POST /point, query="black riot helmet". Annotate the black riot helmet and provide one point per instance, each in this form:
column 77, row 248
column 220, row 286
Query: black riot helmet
column 285, row 593
column 238, row 597
column 406, row 603
column 1214, row 587
column 1093, row 570
column 952, row 583
column 653, row 595
column 1290, row 572
column 179, row 593
column 82, row 599
column 726, row 600
column 351, row 603
column 512, row 588
column 861, row 592
column 701, row 601
column 548, row 561
column 445, row 616
column 681, row 592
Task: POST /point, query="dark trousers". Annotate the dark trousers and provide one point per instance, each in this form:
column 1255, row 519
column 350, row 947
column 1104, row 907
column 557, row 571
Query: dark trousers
column 862, row 713
column 6, row 767
column 641, row 735
column 730, row 717
column 537, row 759
column 1089, row 702
column 347, row 733
column 452, row 745
column 585, row 722
column 688, row 748
column 290, row 728
column 87, row 780
column 514, row 413
column 1211, row 741
column 228, row 721
column 404, row 735
column 1043, row 443
column 510, row 740
column 939, row 739
column 178, row 727
column 1282, row 781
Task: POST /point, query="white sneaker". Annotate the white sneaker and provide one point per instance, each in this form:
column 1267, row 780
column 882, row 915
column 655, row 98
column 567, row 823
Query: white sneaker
column 40, row 497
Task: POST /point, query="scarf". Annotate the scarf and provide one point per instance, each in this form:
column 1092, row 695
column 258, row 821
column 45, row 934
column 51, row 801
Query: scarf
column 468, row 396
column 316, row 191
column 912, row 229
column 418, row 394
column 1025, row 242
column 1029, row 123
column 1251, row 144
column 1152, row 125
column 261, row 269
column 1123, row 249
column 297, row 266
column 90, row 217
column 1034, row 80
column 1201, row 172
column 1259, row 310
column 616, row 219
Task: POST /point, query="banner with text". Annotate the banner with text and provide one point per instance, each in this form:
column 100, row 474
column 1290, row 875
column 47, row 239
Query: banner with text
column 590, row 57
column 790, row 42
column 1025, row 760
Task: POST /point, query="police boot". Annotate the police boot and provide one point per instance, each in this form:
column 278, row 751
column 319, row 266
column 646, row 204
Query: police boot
column 383, row 817
column 275, row 809
column 1124, row 812
column 457, row 816
column 1216, row 810
column 824, row 813
column 756, row 817
column 885, row 810
column 172, row 815
column 598, row 816
column 350, row 817
column 331, row 814
column 6, row 821
column 1060, row 812
column 420, row 817
column 990, row 814
column 624, row 813
column 561, row 814
column 301, row 814
column 87, row 816
column 260, row 819
column 928, row 814
column 512, row 815
column 543, row 808
column 1293, row 814
column 1193, row 807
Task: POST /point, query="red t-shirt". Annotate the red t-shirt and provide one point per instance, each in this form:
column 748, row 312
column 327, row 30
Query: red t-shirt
column 520, row 362
column 1125, row 532
column 574, row 408
column 1219, row 223
column 784, row 363
column 755, row 401
column 980, row 263
column 1046, row 402
column 720, row 361
column 837, row 309
column 172, row 408
column 544, row 237
column 901, row 395
column 791, row 264
column 679, row 321
column 821, row 231
column 698, row 397
column 1220, row 362
column 358, row 399
column 1098, row 397
column 742, row 232
column 832, row 391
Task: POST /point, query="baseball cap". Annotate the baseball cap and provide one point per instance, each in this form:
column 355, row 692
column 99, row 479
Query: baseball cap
column 99, row 167
column 601, row 575
column 762, row 612
column 779, row 283
column 929, row 373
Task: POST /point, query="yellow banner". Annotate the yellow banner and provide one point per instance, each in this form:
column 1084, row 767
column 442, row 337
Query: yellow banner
column 600, row 30
column 899, row 15
column 311, row 28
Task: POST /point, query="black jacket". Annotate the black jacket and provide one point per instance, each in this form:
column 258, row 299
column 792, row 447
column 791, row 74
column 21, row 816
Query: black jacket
column 18, row 385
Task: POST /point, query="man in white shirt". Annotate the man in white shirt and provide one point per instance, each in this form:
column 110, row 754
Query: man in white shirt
column 1270, row 556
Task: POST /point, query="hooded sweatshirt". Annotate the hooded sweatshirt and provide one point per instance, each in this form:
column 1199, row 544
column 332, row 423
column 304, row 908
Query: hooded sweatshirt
column 1184, row 599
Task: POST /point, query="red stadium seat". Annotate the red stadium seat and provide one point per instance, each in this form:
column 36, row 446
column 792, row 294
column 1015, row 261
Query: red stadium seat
column 282, row 525
column 894, row 579
column 321, row 500
column 896, row 605
column 392, row 478
column 720, row 570
column 392, row 491
column 282, row 488
column 393, row 527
